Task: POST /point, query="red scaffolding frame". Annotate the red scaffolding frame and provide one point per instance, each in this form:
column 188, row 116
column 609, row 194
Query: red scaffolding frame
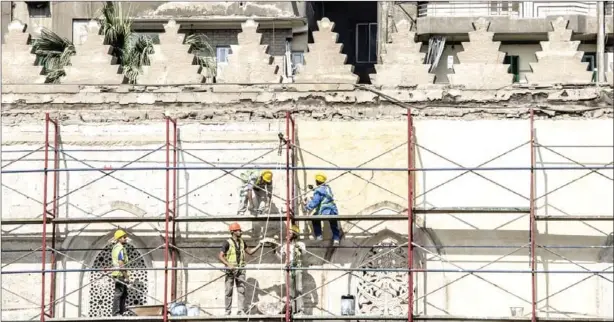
column 289, row 142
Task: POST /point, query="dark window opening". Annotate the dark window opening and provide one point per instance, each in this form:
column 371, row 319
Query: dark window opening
column 514, row 66
column 39, row 9
column 366, row 42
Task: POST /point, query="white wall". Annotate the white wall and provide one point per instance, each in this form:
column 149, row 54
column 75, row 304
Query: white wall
column 468, row 143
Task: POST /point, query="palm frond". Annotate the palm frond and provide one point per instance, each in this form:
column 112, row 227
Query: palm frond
column 136, row 55
column 200, row 46
column 53, row 53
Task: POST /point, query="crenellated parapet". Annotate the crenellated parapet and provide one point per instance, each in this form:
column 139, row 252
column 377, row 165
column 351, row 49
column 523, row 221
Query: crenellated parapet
column 171, row 62
column 403, row 63
column 92, row 63
column 248, row 61
column 481, row 63
column 17, row 60
column 324, row 63
column 559, row 61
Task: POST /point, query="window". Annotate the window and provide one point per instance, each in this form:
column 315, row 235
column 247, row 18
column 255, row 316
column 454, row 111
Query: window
column 153, row 36
column 39, row 9
column 513, row 69
column 79, row 31
column 591, row 58
column 297, row 59
column 366, row 42
column 504, row 8
column 221, row 57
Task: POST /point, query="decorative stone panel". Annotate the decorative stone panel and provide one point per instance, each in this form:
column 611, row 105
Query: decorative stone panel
column 383, row 293
column 324, row 63
column 92, row 64
column 403, row 63
column 171, row 63
column 249, row 62
column 17, row 60
column 102, row 286
column 559, row 61
column 481, row 63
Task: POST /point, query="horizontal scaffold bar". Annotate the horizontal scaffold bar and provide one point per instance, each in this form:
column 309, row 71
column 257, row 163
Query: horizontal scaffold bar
column 575, row 218
column 229, row 168
column 89, row 220
column 319, row 318
column 323, row 269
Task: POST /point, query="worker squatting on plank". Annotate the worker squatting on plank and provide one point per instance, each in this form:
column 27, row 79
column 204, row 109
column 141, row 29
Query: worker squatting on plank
column 232, row 256
column 256, row 191
column 119, row 257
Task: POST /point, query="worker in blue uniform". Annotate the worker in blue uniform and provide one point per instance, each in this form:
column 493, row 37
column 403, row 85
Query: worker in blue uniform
column 323, row 202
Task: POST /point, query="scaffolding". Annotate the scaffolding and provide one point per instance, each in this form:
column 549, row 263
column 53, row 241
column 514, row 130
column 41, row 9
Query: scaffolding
column 288, row 143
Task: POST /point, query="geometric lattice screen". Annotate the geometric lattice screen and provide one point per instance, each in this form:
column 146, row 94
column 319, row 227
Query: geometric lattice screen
column 101, row 288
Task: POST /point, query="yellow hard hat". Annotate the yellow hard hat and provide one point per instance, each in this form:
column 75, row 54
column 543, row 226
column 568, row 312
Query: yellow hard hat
column 320, row 177
column 267, row 176
column 295, row 229
column 119, row 234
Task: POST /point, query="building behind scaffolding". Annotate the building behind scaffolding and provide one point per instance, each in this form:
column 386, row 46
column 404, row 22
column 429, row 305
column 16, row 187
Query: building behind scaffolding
column 479, row 200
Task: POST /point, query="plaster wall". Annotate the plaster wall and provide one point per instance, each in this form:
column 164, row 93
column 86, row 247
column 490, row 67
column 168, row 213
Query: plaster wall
column 463, row 143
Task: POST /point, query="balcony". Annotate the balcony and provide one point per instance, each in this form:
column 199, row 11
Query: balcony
column 525, row 9
column 511, row 18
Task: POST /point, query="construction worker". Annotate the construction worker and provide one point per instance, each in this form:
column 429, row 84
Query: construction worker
column 256, row 191
column 324, row 203
column 119, row 257
column 297, row 250
column 232, row 256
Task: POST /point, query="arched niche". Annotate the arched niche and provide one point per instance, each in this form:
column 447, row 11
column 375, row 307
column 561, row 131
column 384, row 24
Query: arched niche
column 377, row 245
column 84, row 245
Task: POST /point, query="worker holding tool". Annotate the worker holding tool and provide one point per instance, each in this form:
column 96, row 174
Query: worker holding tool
column 119, row 258
column 324, row 203
column 297, row 250
column 232, row 256
column 256, row 191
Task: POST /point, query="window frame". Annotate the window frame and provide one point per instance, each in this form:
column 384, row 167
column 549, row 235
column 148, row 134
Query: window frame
column 356, row 36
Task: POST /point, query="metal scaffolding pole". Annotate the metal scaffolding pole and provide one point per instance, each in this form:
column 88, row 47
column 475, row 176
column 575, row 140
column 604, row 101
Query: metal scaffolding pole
column 288, row 314
column 167, row 217
column 46, row 213
column 410, row 217
column 533, row 257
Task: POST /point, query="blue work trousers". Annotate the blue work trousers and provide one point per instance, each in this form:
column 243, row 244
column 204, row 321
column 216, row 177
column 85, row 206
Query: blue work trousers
column 334, row 226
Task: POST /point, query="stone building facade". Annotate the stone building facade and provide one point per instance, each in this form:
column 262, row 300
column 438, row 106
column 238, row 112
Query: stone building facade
column 108, row 125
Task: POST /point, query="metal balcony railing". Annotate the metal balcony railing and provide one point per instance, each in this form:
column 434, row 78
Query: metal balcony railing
column 524, row 9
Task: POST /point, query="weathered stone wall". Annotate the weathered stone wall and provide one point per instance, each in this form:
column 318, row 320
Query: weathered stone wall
column 454, row 127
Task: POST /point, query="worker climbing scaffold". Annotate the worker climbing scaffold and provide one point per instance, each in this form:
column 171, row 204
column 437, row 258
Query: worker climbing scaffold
column 255, row 192
column 323, row 202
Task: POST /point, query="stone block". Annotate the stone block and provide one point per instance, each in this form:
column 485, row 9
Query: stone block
column 403, row 63
column 324, row 62
column 559, row 61
column 92, row 64
column 249, row 62
column 171, row 63
column 17, row 60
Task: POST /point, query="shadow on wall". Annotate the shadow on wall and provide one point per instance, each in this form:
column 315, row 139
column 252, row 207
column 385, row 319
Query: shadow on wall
column 255, row 297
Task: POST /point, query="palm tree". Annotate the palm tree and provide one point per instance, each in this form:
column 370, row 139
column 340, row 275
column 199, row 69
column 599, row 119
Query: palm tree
column 131, row 49
column 53, row 53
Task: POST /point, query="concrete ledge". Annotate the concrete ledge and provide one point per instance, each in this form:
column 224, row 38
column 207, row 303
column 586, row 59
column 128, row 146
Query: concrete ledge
column 126, row 103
